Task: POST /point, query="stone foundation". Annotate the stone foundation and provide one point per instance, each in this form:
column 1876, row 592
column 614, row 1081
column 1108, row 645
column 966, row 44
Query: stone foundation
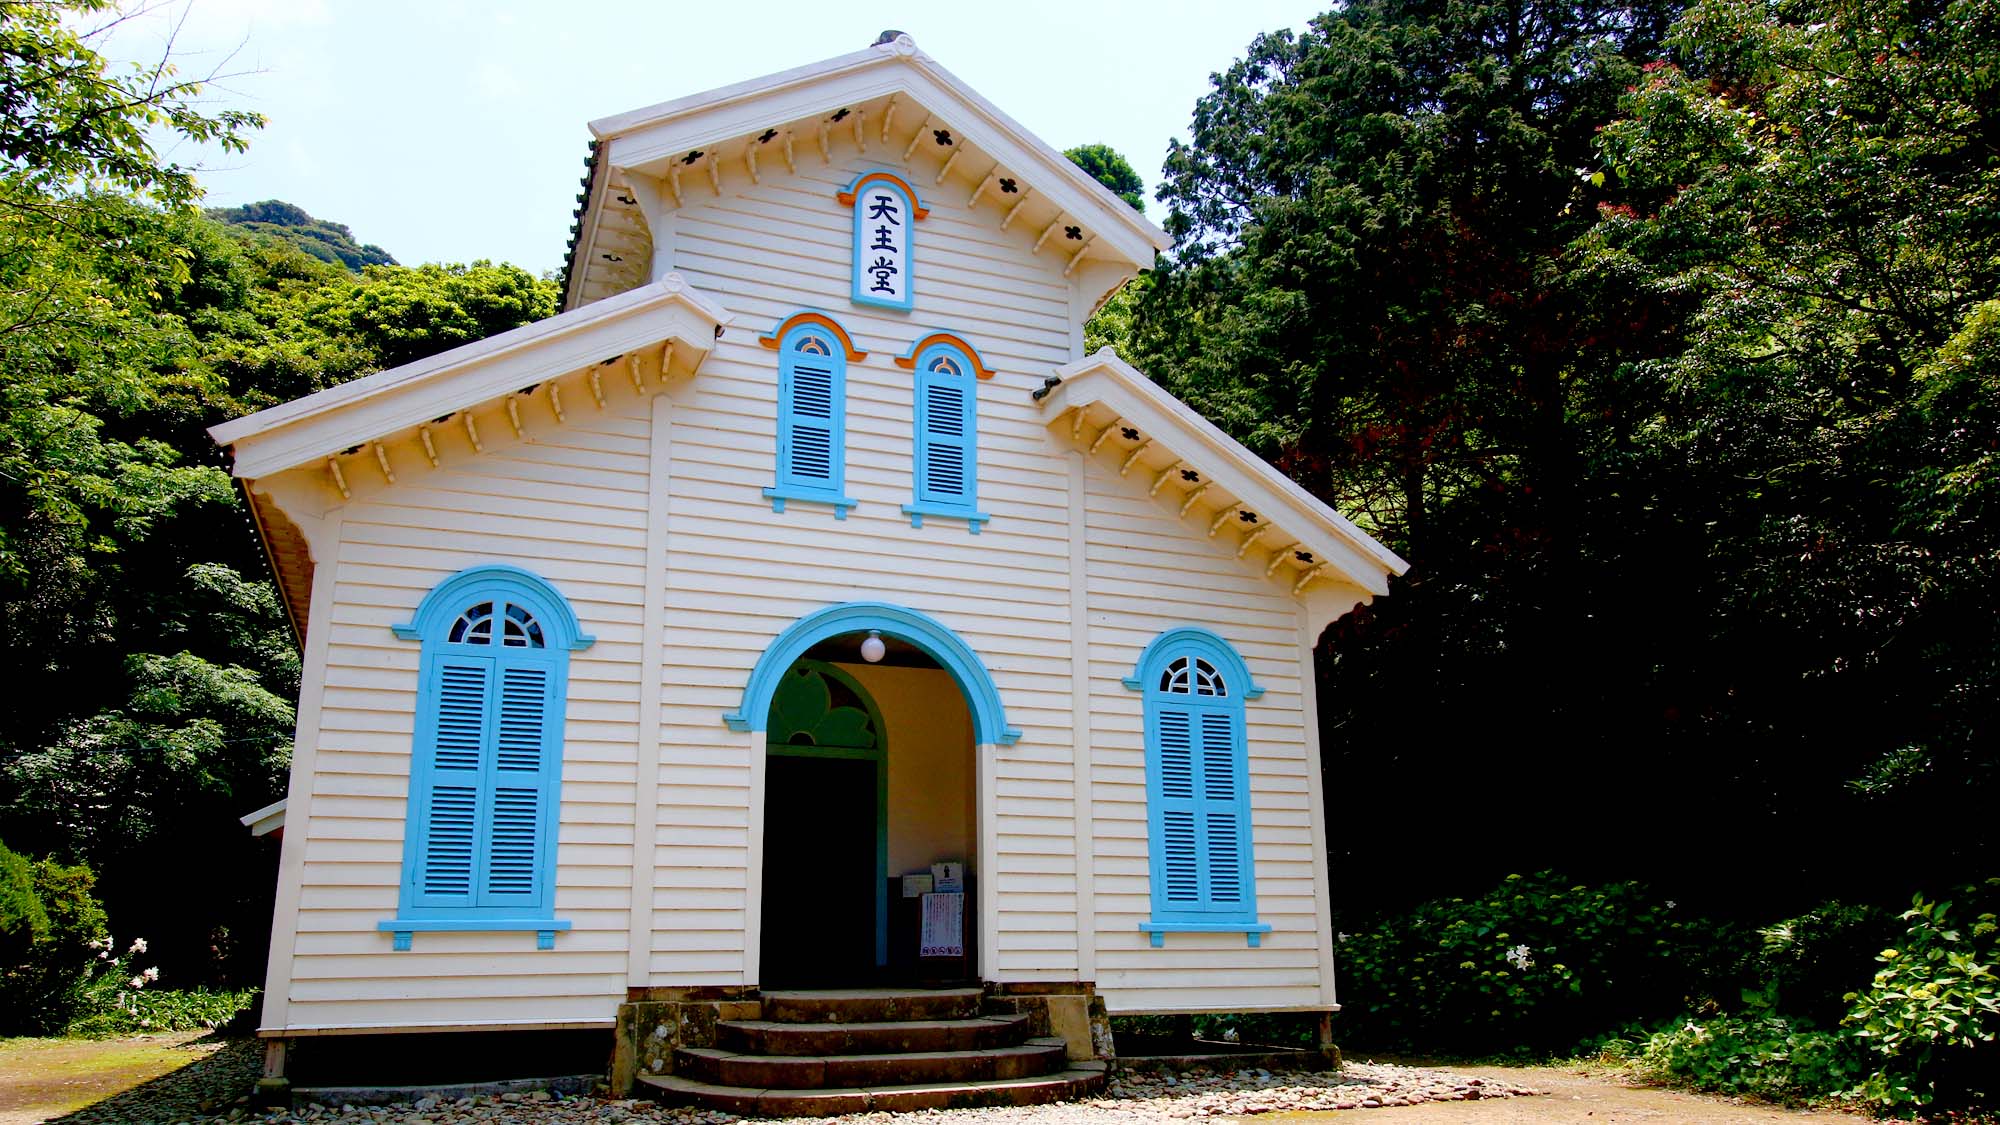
column 654, row 1021
column 1070, row 1009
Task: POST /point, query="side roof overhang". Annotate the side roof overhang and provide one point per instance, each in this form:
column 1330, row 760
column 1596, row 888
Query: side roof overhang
column 322, row 424
column 658, row 144
column 1108, row 402
column 666, row 328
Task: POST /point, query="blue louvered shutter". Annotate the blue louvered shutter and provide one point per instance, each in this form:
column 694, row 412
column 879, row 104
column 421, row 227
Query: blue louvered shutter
column 521, row 795
column 945, row 437
column 1222, row 814
column 451, row 754
column 1178, row 808
column 809, row 432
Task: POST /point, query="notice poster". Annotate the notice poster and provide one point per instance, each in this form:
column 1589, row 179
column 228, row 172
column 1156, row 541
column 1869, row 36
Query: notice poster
column 944, row 926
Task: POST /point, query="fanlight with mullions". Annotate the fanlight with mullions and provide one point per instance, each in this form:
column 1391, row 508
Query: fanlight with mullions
column 518, row 627
column 1191, row 675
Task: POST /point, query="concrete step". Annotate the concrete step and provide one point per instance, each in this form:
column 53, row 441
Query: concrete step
column 1081, row 1079
column 871, row 1005
column 1034, row 1059
column 768, row 1037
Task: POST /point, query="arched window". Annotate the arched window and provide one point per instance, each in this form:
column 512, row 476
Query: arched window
column 486, row 761
column 812, row 412
column 1197, row 785
column 946, row 417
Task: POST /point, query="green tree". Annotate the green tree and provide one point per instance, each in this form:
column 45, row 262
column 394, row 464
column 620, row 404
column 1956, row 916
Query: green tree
column 1373, row 287
column 1107, row 167
column 1816, row 180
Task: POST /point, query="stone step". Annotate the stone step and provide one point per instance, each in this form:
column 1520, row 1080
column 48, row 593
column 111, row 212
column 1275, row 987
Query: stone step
column 1081, row 1079
column 1034, row 1059
column 768, row 1037
column 871, row 1005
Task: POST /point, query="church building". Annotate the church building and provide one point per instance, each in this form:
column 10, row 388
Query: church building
column 799, row 650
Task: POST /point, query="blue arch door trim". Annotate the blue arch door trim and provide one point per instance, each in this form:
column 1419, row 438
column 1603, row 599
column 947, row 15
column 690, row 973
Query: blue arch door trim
column 989, row 718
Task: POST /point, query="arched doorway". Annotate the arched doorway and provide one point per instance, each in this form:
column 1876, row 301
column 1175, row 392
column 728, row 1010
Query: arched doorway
column 826, row 830
column 889, row 752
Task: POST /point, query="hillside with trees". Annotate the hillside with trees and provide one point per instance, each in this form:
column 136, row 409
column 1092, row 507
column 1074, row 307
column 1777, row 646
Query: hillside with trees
column 329, row 242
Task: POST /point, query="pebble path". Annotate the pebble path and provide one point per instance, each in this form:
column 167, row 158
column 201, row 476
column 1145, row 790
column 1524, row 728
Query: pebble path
column 212, row 1092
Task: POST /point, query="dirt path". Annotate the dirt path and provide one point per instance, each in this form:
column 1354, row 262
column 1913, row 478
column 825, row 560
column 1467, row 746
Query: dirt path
column 1593, row 1097
column 45, row 1078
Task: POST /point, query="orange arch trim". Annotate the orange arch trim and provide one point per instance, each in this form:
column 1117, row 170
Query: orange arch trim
column 776, row 336
column 909, row 362
column 847, row 195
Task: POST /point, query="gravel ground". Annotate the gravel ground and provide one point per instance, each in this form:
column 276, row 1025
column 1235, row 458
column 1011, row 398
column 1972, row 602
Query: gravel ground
column 214, row 1091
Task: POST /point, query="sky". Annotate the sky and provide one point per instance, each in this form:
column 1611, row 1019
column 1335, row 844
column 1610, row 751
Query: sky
column 452, row 130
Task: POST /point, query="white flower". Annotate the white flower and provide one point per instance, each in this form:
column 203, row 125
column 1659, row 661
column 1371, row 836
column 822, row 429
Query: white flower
column 1343, row 937
column 152, row 974
column 138, row 946
column 139, row 982
column 1671, row 904
column 1520, row 957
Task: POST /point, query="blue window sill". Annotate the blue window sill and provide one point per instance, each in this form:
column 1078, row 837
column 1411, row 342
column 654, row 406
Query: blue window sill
column 972, row 519
column 1252, row 931
column 778, row 495
column 544, row 929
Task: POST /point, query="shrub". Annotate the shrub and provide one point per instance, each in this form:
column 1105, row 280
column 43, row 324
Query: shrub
column 1808, row 965
column 23, row 922
column 41, row 983
column 145, row 1010
column 1763, row 1054
column 1932, row 1006
column 1535, row 965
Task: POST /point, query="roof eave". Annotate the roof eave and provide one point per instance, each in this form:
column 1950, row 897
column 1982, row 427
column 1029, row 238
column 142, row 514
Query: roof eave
column 318, row 425
column 642, row 137
column 1104, row 377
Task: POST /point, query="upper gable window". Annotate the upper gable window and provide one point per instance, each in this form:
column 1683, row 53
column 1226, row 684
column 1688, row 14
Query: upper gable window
column 813, row 352
column 945, row 441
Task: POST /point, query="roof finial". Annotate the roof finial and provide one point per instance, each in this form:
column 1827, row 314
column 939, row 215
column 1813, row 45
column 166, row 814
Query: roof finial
column 897, row 41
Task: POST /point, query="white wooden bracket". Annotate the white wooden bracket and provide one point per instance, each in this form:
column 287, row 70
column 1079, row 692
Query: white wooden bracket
column 1250, row 540
column 985, row 185
column 917, row 136
column 1049, row 230
column 1008, row 218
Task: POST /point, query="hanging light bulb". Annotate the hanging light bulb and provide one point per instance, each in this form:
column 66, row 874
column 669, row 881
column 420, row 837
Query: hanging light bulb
column 872, row 649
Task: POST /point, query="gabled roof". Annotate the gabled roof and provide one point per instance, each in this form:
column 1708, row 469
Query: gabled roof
column 368, row 409
column 1101, row 402
column 891, row 99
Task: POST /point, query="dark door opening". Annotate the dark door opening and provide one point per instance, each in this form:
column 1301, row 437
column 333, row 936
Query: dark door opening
column 820, row 839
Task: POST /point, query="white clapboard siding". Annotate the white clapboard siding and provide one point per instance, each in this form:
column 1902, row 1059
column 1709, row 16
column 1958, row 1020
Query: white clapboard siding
column 569, row 503
column 1149, row 570
column 738, row 574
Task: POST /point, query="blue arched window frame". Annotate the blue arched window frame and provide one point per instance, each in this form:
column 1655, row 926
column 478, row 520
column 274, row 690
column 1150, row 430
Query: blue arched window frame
column 479, row 849
column 813, row 353
column 945, row 450
column 1200, row 854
